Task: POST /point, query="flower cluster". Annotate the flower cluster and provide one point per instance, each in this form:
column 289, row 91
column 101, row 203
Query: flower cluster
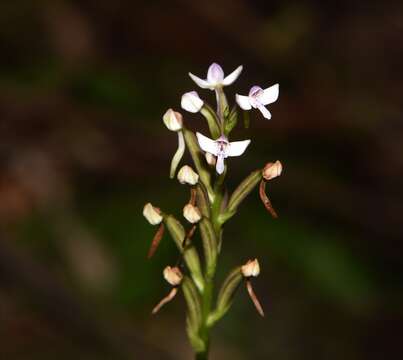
column 209, row 206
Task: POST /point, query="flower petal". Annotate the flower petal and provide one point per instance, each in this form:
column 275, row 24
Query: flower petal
column 270, row 95
column 204, row 84
column 233, row 76
column 215, row 74
column 207, row 144
column 264, row 111
column 243, row 102
column 220, row 164
column 237, row 148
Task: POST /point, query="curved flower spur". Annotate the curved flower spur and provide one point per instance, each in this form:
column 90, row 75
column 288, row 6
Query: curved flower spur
column 209, row 208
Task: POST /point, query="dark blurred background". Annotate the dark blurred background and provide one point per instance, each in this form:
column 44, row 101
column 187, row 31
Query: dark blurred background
column 83, row 86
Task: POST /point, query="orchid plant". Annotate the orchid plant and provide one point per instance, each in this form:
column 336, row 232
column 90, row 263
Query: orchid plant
column 210, row 206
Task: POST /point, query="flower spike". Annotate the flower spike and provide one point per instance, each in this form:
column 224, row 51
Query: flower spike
column 209, row 204
column 258, row 98
column 215, row 77
column 221, row 148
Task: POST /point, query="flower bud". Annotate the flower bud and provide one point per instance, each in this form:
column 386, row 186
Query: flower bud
column 173, row 120
column 191, row 102
column 187, row 175
column 191, row 213
column 152, row 214
column 173, row 275
column 251, row 268
column 210, row 158
column 271, row 170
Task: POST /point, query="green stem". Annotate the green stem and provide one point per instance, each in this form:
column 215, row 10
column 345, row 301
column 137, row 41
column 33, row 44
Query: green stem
column 211, row 229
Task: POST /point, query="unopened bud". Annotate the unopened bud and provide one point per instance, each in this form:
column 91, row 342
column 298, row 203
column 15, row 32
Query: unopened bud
column 191, row 102
column 211, row 159
column 173, row 120
column 187, row 175
column 173, row 275
column 191, row 213
column 272, row 170
column 152, row 214
column 251, row 268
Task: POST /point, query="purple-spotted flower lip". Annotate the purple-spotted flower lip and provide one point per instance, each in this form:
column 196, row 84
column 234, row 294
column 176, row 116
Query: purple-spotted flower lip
column 221, row 148
column 216, row 78
column 258, row 98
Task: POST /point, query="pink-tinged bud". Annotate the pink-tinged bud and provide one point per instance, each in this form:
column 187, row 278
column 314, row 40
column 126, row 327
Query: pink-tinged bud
column 173, row 275
column 271, row 170
column 187, row 175
column 211, row 159
column 191, row 213
column 152, row 214
column 251, row 268
column 191, row 102
column 173, row 120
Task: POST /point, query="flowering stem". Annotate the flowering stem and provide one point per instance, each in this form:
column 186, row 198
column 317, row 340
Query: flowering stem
column 210, row 205
column 222, row 105
column 210, row 230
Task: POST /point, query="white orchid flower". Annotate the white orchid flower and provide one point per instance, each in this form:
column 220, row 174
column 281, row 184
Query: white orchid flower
column 221, row 148
column 258, row 98
column 215, row 77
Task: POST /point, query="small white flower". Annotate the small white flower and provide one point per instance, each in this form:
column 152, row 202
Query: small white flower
column 251, row 268
column 191, row 102
column 258, row 98
column 191, row 213
column 187, row 175
column 152, row 214
column 173, row 120
column 222, row 148
column 271, row 170
column 215, row 77
column 173, row 275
